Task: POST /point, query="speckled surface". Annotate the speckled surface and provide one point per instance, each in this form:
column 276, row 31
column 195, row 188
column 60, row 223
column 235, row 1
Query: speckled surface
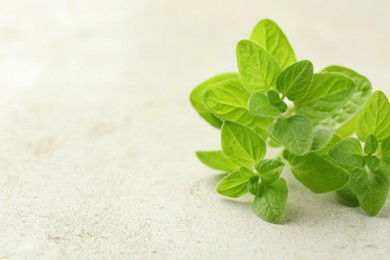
column 97, row 136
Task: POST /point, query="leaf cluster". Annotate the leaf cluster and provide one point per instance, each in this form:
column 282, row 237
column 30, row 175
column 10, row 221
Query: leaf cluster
column 276, row 100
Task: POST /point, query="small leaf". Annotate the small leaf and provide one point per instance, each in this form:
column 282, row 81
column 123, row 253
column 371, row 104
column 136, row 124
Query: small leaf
column 229, row 100
column 371, row 189
column 348, row 152
column 294, row 133
column 216, row 160
column 327, row 94
column 355, row 104
column 273, row 97
column 375, row 118
column 268, row 34
column 294, row 82
column 371, row 145
column 270, row 204
column 317, row 173
column 260, row 106
column 254, row 185
column 282, row 107
column 196, row 98
column 269, row 170
column 235, row 184
column 386, row 150
column 322, row 135
column 241, row 144
column 258, row 69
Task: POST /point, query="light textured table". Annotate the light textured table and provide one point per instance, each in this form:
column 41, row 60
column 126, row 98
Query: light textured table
column 97, row 136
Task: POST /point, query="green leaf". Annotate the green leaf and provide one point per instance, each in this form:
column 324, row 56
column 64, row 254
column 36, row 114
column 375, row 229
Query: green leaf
column 269, row 170
column 348, row 152
column 274, row 98
column 270, row 204
column 294, row 133
column 242, row 145
column 226, row 99
column 328, row 93
column 371, row 145
column 317, row 173
column 375, row 118
column 235, row 184
column 294, row 82
column 258, row 69
column 254, row 185
column 371, row 189
column 216, row 160
column 385, row 149
column 385, row 167
column 372, row 162
column 268, row 34
column 196, row 98
column 282, row 107
column 347, row 196
column 259, row 105
column 322, row 135
column 229, row 100
column 355, row 104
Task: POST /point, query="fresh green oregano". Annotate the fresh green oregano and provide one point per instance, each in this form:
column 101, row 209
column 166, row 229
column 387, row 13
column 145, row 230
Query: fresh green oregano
column 312, row 117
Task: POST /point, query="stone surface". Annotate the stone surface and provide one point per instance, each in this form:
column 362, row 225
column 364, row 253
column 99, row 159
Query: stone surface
column 97, row 136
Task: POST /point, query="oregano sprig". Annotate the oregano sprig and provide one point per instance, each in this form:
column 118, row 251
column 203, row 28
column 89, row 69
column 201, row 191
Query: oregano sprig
column 280, row 101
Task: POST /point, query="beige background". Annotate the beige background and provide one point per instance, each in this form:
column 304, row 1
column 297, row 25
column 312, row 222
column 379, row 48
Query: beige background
column 97, row 136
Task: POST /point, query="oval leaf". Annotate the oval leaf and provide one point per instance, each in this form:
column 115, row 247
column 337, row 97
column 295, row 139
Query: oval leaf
column 371, row 145
column 317, row 173
column 268, row 34
column 355, row 104
column 235, row 184
column 270, row 204
column 229, row 100
column 259, row 105
column 294, row 133
column 242, row 145
column 294, row 82
column 269, row 170
column 327, row 94
column 258, row 69
column 216, row 160
column 375, row 118
column 371, row 189
column 196, row 98
column 348, row 152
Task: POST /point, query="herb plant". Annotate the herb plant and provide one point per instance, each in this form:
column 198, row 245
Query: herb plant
column 278, row 101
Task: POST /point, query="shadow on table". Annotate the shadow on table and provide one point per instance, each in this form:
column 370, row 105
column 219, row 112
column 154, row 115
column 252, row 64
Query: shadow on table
column 296, row 211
